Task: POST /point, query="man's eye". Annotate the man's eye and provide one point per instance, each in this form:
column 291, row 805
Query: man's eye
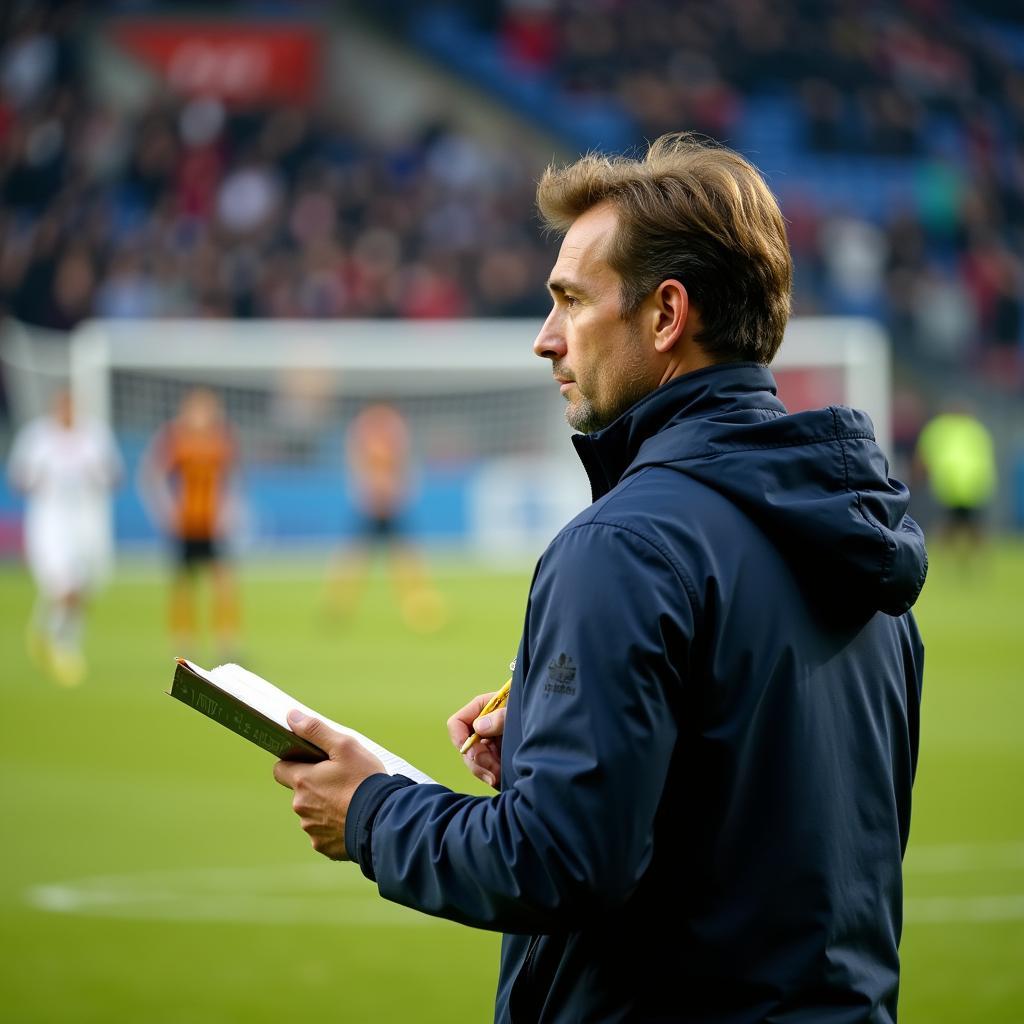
column 570, row 300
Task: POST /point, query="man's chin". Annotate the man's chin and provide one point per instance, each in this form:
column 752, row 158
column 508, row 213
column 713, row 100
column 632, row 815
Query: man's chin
column 582, row 416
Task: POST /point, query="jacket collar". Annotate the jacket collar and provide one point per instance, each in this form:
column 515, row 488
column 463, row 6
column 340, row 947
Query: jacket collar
column 608, row 454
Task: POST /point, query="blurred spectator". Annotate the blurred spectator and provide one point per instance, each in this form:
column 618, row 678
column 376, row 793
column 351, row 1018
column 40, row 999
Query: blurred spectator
column 854, row 254
column 944, row 325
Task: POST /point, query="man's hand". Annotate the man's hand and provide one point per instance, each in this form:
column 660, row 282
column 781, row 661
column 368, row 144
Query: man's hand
column 323, row 791
column 484, row 758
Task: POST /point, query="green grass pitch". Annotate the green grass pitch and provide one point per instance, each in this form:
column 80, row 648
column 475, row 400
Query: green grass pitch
column 152, row 870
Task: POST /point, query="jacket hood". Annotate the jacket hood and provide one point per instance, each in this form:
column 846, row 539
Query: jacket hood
column 816, row 482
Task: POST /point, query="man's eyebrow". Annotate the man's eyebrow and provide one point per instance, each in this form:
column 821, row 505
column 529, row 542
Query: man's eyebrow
column 559, row 286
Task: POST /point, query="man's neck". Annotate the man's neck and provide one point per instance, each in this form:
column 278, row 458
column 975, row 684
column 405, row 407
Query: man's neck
column 686, row 355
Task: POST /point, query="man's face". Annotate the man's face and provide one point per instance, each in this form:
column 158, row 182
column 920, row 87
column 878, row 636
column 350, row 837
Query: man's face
column 200, row 410
column 598, row 358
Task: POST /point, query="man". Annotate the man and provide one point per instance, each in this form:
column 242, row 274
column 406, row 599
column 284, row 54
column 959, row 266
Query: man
column 186, row 479
column 706, row 760
column 378, row 460
column 957, row 452
column 66, row 469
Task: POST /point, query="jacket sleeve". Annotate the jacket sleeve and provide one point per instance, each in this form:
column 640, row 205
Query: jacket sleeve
column 606, row 640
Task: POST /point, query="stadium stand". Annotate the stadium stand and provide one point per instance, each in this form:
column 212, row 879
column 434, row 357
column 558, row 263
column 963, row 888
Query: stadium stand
column 187, row 208
column 890, row 131
column 894, row 144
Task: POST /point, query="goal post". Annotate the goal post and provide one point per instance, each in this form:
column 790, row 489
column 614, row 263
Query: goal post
column 495, row 472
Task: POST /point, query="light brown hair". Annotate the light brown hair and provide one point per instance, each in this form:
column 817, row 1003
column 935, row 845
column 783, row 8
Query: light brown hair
column 695, row 212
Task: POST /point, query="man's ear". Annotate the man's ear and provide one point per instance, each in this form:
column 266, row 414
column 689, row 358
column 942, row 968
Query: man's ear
column 671, row 312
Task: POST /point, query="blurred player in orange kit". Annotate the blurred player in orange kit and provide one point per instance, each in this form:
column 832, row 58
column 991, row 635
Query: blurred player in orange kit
column 377, row 454
column 65, row 468
column 186, row 480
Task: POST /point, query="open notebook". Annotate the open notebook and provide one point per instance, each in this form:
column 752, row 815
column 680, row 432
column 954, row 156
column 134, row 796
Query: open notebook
column 247, row 704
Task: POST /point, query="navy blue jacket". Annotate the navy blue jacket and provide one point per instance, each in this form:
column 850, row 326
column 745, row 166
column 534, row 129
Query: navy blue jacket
column 711, row 736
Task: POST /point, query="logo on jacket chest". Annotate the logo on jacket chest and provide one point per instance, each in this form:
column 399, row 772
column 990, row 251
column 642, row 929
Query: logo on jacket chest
column 561, row 677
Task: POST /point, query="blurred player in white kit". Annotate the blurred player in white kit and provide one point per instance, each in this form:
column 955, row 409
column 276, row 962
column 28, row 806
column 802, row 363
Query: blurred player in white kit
column 66, row 469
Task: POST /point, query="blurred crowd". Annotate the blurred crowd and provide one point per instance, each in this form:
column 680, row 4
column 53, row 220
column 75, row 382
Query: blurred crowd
column 192, row 209
column 188, row 208
column 868, row 74
column 928, row 82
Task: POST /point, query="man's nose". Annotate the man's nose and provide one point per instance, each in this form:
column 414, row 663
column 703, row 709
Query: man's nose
column 550, row 342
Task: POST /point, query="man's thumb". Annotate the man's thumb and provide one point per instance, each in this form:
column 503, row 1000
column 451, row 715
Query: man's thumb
column 491, row 724
column 312, row 729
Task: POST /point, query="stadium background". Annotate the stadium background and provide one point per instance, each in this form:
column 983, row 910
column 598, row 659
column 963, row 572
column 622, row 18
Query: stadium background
column 258, row 164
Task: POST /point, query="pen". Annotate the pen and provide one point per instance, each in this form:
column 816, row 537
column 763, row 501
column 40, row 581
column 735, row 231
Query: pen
column 499, row 700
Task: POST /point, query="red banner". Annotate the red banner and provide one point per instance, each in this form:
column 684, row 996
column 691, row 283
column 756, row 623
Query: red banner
column 239, row 64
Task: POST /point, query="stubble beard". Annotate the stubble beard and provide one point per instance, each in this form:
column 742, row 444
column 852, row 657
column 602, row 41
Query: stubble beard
column 582, row 416
column 633, row 384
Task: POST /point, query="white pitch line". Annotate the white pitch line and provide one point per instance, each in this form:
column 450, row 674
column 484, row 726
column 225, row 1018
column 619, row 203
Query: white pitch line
column 947, row 858
column 964, row 909
column 339, row 895
column 261, row 895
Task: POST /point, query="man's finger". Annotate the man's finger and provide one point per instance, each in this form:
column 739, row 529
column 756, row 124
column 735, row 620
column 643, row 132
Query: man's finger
column 483, row 774
column 484, row 759
column 459, row 725
column 458, row 730
column 286, row 773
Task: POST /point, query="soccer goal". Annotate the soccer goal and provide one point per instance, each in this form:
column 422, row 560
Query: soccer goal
column 495, row 472
column 33, row 366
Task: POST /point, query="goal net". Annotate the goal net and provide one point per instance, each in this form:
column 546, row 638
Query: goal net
column 495, row 472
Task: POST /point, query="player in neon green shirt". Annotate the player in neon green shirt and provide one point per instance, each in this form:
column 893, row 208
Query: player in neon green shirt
column 957, row 452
